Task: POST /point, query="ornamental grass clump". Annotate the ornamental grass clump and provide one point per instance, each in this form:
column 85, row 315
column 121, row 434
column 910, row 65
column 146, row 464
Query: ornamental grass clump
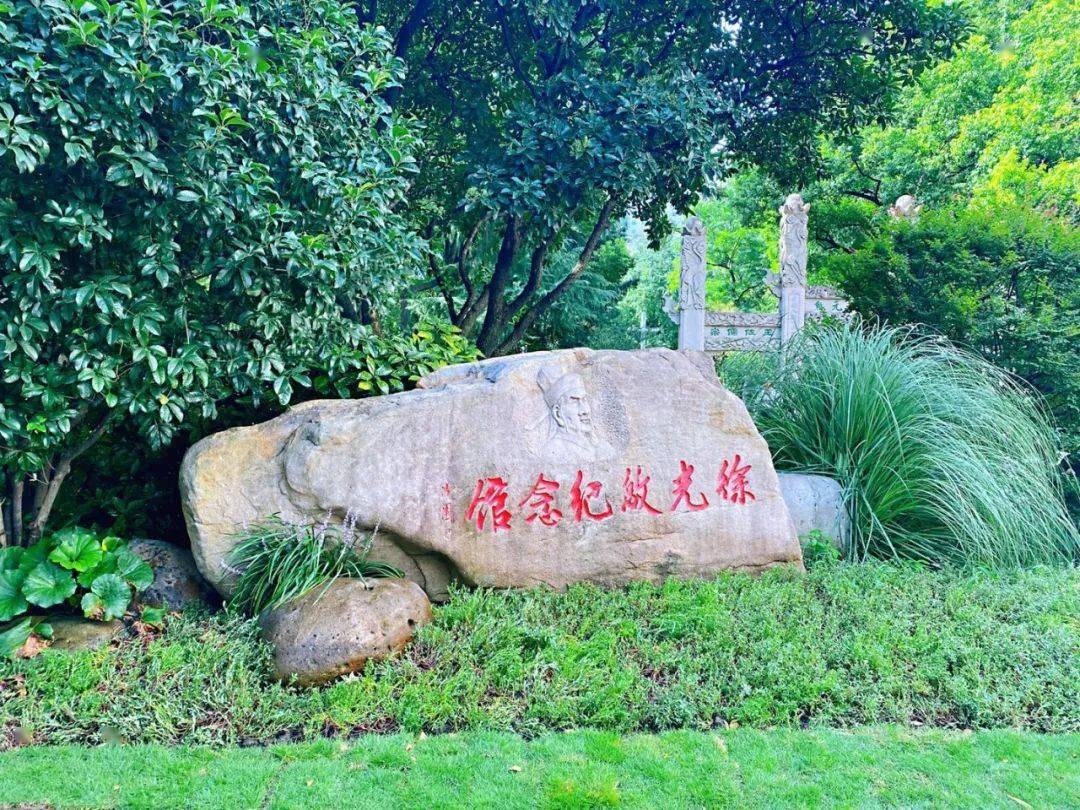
column 943, row 456
column 276, row 561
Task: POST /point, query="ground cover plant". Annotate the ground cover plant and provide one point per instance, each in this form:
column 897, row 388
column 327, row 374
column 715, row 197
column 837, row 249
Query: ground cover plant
column 731, row 768
column 843, row 645
column 943, row 457
column 77, row 570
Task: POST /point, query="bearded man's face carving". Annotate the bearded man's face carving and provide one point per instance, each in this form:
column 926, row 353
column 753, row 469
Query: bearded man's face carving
column 571, row 412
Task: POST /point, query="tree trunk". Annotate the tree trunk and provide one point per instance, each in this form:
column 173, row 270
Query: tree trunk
column 496, row 317
column 5, row 518
column 50, row 485
column 16, row 509
column 536, row 310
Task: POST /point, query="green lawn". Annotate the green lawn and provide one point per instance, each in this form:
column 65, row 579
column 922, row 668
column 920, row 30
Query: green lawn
column 740, row 768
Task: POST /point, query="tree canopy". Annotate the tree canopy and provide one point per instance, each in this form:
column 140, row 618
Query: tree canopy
column 987, row 141
column 546, row 121
column 195, row 199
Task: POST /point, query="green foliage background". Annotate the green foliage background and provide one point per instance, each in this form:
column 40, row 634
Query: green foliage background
column 988, row 141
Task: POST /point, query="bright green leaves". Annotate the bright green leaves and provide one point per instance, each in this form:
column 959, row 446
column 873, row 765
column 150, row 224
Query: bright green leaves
column 79, row 550
column 108, row 598
column 185, row 231
column 48, row 584
column 54, row 570
column 133, row 569
column 12, row 638
column 12, row 601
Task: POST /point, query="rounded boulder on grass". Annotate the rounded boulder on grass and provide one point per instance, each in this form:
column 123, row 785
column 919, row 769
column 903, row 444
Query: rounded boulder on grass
column 177, row 582
column 331, row 631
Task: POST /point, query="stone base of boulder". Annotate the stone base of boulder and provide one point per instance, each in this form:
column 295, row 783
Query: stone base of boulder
column 73, row 633
column 816, row 503
column 331, row 631
column 177, row 582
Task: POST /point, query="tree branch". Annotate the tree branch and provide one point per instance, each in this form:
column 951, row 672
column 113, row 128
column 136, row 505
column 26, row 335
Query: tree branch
column 870, row 196
column 463, row 255
column 405, row 37
column 411, row 25
column 494, row 317
column 436, row 275
column 541, row 306
column 5, row 519
column 366, row 12
column 63, row 467
column 511, row 52
column 828, row 240
column 16, row 508
column 536, row 273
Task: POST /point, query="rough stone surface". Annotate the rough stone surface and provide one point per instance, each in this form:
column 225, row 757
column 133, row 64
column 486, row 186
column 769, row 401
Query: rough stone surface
column 332, row 631
column 74, row 633
column 451, row 474
column 816, row 502
column 177, row 581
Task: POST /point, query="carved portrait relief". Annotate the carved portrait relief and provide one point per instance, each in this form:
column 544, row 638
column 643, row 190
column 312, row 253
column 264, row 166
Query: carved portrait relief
column 569, row 429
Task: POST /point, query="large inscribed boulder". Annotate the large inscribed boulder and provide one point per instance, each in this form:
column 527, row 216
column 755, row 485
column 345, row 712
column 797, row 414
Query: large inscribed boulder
column 546, row 468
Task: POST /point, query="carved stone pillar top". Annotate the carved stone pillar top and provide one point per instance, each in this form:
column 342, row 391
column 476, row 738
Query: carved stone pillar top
column 692, row 272
column 906, row 207
column 794, row 215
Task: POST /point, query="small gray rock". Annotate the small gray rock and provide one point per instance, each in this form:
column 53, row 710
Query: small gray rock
column 816, row 502
column 72, row 633
column 332, row 631
column 177, row 582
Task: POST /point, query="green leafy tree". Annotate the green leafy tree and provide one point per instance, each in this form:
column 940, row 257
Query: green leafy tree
column 589, row 313
column 548, row 120
column 988, row 141
column 1001, row 279
column 996, row 121
column 196, row 199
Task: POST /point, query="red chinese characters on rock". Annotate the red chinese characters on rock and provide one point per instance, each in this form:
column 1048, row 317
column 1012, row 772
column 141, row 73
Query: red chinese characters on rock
column 580, row 497
column 636, row 493
column 680, row 489
column 487, row 508
column 732, row 484
column 541, row 502
column 489, row 502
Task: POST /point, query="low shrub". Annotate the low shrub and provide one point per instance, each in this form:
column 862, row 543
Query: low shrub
column 842, row 645
column 75, row 568
column 943, row 457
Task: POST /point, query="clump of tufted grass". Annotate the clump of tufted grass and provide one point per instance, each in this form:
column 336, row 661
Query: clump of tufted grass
column 277, row 561
column 943, row 456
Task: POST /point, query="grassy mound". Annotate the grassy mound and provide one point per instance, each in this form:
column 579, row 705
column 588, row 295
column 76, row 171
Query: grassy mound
column 943, row 456
column 842, row 645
